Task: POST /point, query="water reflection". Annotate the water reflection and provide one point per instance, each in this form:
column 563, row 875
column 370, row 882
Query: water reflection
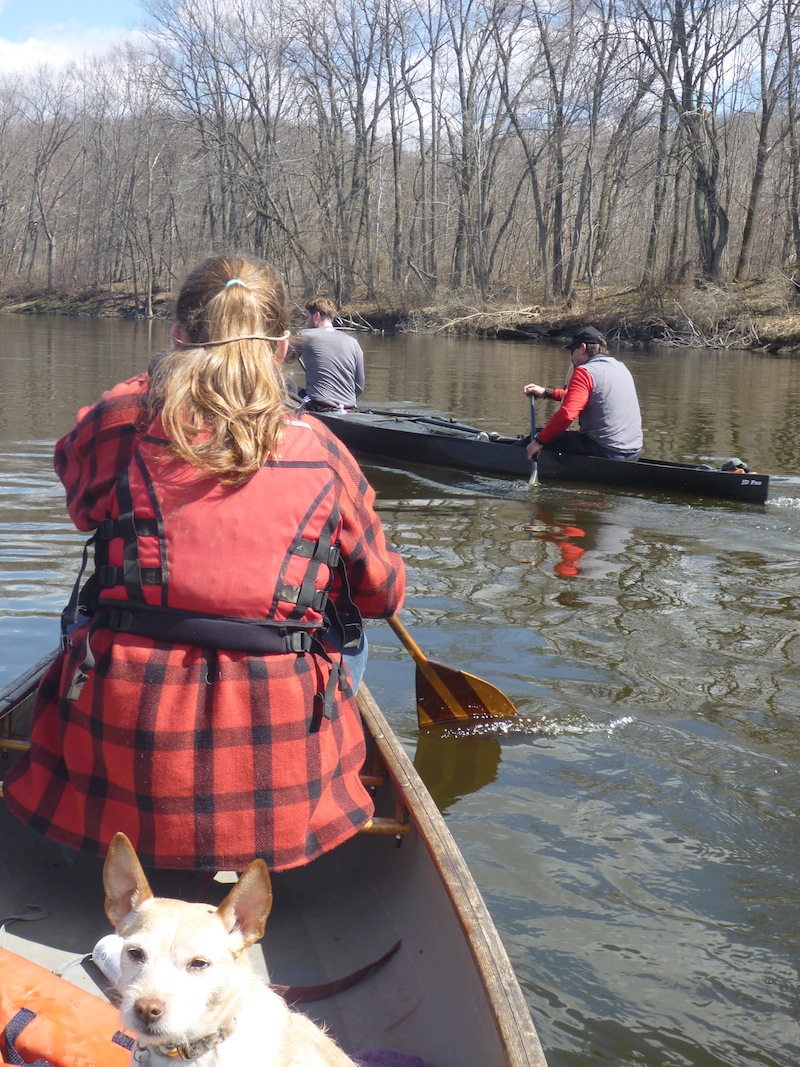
column 593, row 549
column 453, row 767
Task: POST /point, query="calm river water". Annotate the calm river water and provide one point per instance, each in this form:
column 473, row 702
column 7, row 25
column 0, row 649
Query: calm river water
column 636, row 836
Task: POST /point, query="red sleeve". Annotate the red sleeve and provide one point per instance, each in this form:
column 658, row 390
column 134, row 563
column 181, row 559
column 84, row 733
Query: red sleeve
column 575, row 400
column 375, row 570
column 90, row 458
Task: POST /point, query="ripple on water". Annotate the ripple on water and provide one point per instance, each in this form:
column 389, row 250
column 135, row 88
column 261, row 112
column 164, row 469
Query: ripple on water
column 643, row 864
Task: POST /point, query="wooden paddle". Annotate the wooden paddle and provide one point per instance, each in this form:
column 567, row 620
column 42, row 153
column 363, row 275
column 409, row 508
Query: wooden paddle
column 447, row 695
column 534, row 478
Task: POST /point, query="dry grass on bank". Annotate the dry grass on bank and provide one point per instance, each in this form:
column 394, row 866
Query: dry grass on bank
column 762, row 313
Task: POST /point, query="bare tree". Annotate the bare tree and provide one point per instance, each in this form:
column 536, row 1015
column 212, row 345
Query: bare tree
column 520, row 70
column 477, row 132
column 771, row 36
column 689, row 45
column 49, row 115
column 558, row 32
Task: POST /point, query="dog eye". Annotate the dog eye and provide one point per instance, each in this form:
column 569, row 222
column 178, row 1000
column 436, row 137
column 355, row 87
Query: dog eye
column 136, row 954
column 198, row 964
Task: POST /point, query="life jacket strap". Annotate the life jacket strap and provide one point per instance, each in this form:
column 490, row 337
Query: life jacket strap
column 131, row 570
column 111, row 528
column 13, row 1029
column 81, row 601
column 343, row 613
column 204, row 631
column 108, row 576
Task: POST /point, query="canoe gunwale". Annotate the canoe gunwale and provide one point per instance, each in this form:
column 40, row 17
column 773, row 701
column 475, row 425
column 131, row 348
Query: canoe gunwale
column 15, row 692
column 512, row 1015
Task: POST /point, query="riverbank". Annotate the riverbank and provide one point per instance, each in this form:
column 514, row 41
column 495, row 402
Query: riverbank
column 762, row 314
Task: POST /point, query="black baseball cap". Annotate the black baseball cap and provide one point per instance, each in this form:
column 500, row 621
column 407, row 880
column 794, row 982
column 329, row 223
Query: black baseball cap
column 586, row 335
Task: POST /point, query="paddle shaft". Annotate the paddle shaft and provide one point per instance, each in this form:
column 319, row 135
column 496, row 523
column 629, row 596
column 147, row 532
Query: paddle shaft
column 534, row 478
column 408, row 641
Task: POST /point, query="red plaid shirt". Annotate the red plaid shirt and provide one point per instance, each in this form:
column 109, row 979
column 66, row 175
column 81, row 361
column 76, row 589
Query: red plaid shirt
column 203, row 758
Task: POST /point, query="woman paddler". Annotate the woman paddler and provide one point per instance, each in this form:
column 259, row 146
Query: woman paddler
column 203, row 707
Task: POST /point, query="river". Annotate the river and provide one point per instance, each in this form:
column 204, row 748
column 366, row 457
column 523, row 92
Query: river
column 636, row 834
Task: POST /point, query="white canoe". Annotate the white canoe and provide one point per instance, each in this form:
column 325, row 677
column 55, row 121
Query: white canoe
column 448, row 995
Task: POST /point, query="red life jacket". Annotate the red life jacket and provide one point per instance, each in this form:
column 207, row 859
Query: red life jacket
column 186, row 559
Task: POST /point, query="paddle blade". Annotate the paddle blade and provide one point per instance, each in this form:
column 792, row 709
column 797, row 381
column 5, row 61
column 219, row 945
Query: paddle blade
column 446, row 695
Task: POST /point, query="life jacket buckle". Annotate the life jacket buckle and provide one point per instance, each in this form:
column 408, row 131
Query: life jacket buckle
column 320, row 601
column 107, row 576
column 299, row 641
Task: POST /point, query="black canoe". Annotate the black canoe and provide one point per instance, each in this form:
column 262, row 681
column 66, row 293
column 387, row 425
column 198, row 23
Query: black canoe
column 440, row 442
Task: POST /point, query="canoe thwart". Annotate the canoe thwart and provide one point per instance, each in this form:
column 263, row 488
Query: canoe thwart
column 14, row 744
column 371, row 781
column 382, row 825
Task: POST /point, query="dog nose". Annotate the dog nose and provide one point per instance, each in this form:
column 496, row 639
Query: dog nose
column 149, row 1010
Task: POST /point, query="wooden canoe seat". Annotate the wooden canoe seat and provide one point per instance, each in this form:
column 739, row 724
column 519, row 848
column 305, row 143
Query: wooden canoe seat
column 374, row 779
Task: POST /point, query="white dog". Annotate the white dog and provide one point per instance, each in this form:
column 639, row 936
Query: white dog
column 188, row 991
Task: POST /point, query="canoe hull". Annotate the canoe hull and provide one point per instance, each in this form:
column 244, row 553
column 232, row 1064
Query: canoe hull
column 449, row 995
column 432, row 441
column 657, row 475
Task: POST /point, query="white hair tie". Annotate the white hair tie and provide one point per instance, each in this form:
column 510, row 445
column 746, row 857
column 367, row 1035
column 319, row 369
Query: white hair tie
column 229, row 341
column 235, row 281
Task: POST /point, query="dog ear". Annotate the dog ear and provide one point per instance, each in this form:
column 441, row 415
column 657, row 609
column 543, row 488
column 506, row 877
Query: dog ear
column 124, row 880
column 248, row 904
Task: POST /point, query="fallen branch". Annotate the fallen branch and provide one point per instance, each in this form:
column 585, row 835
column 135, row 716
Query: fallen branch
column 489, row 317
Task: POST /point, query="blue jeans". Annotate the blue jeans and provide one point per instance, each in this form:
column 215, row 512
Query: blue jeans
column 356, row 659
column 357, row 662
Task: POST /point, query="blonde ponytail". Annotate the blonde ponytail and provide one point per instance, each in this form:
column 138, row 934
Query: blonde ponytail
column 223, row 407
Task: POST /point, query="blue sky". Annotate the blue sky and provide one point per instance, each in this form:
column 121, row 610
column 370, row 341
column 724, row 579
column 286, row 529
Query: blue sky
column 33, row 32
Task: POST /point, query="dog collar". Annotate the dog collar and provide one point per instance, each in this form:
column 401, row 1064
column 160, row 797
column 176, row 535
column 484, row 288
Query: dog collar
column 191, row 1050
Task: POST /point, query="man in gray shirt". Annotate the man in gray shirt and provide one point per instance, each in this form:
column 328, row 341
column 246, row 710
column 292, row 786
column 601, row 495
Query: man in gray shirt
column 333, row 361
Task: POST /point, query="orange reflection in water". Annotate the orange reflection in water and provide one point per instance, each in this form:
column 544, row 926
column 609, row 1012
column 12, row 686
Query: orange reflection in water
column 570, row 540
column 593, row 548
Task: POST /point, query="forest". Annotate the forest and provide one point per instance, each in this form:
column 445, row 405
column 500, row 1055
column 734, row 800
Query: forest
column 395, row 151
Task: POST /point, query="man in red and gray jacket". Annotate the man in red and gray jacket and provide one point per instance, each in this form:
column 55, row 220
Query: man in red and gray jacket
column 602, row 394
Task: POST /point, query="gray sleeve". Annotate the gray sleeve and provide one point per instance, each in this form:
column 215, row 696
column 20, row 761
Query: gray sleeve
column 359, row 380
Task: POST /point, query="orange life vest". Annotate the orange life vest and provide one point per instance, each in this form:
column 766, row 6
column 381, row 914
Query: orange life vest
column 46, row 1018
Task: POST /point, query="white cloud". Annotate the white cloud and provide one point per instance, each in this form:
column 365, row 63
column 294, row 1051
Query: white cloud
column 57, row 46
